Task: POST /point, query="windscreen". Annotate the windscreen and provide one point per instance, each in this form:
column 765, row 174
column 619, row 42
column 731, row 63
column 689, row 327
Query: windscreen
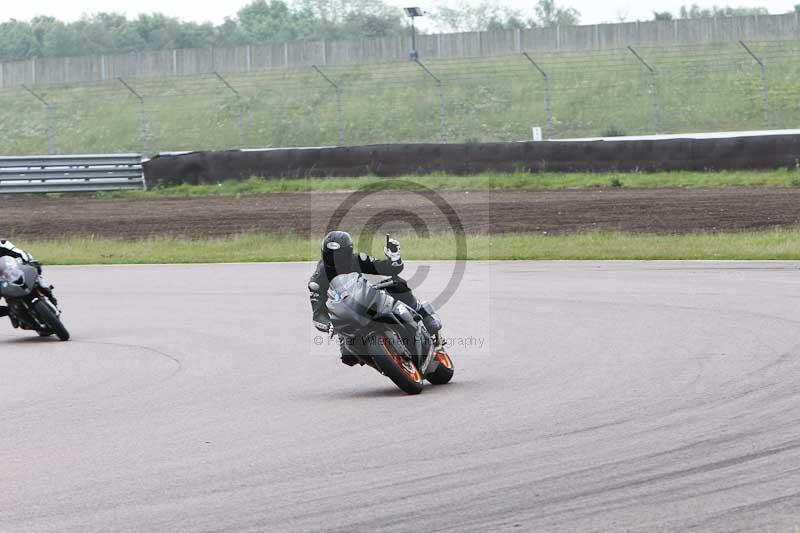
column 353, row 290
column 343, row 287
column 10, row 270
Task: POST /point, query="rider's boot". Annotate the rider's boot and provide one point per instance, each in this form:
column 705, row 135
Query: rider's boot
column 348, row 357
column 429, row 317
column 3, row 311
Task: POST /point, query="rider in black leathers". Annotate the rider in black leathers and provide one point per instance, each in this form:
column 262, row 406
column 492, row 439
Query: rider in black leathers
column 338, row 257
column 7, row 249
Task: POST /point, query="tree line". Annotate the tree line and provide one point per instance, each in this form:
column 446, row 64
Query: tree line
column 695, row 12
column 258, row 21
column 277, row 20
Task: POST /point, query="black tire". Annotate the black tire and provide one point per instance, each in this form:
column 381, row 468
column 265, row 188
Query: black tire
column 392, row 359
column 50, row 319
column 444, row 370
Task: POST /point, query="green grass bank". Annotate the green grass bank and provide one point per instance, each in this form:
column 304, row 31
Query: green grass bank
column 700, row 88
column 767, row 245
column 519, row 181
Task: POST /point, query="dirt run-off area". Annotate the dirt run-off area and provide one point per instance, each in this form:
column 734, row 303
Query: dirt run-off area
column 518, row 211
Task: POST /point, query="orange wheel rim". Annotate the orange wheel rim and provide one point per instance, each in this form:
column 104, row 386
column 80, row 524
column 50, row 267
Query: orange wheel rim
column 444, row 359
column 408, row 368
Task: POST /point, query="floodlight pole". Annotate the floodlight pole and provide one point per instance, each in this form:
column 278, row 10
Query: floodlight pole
column 51, row 119
column 653, row 88
column 414, row 53
column 338, row 91
column 442, row 107
column 547, row 100
column 412, row 13
column 764, row 95
column 238, row 107
column 142, row 117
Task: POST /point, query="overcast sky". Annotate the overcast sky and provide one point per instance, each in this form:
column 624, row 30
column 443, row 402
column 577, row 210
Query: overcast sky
column 592, row 11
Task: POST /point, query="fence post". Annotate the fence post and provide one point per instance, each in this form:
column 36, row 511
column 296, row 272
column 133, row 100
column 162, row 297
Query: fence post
column 51, row 124
column 547, row 101
column 797, row 23
column 653, row 88
column 442, row 107
column 764, row 95
column 338, row 92
column 142, row 118
column 238, row 107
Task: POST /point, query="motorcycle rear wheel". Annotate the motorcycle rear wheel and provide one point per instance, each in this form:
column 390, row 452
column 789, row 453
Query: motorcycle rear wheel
column 394, row 361
column 50, row 319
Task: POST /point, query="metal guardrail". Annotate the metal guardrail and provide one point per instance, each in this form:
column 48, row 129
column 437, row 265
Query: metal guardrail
column 71, row 173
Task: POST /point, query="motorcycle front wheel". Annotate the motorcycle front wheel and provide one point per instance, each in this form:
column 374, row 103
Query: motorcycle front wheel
column 394, row 360
column 444, row 370
column 50, row 319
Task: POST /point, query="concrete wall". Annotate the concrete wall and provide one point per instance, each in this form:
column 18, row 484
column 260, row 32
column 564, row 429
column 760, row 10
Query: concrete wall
column 738, row 153
column 442, row 46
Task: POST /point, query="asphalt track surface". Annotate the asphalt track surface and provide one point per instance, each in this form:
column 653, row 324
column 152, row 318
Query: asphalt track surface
column 605, row 396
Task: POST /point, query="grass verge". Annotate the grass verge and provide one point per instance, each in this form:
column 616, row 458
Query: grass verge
column 774, row 244
column 701, row 88
column 521, row 180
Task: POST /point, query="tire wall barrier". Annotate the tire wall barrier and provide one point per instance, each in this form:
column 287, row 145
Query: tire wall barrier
column 738, row 153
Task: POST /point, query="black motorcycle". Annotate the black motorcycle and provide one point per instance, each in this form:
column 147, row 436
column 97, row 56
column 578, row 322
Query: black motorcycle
column 385, row 333
column 31, row 303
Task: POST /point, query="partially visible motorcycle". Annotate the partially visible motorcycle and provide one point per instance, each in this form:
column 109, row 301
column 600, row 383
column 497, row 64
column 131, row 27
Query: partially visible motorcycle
column 385, row 333
column 31, row 303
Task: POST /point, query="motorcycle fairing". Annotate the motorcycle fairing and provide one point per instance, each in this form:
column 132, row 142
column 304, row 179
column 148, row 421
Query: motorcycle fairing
column 19, row 282
column 354, row 305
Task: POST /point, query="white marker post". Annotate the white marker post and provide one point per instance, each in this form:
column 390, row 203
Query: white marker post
column 537, row 133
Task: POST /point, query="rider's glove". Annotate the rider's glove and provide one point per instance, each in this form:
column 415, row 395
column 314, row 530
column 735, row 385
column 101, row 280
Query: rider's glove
column 392, row 250
column 322, row 326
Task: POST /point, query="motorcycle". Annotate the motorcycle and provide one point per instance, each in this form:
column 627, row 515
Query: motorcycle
column 31, row 303
column 385, row 333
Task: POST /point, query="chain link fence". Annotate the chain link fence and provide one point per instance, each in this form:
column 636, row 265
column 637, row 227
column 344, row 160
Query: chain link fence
column 634, row 90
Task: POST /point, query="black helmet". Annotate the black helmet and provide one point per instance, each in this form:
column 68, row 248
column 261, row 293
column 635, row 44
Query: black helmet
column 337, row 251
